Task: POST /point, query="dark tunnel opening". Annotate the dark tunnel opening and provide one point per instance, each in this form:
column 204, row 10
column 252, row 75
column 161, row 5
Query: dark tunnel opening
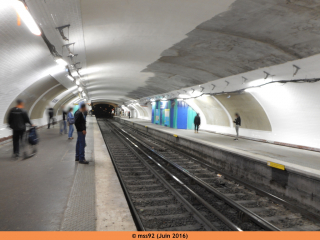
column 103, row 110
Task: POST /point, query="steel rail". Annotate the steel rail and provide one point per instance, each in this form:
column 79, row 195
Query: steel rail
column 304, row 212
column 220, row 216
column 133, row 210
column 196, row 213
column 254, row 217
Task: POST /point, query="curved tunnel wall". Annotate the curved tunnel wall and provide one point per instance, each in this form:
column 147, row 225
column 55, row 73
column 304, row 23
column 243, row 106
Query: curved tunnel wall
column 32, row 93
column 293, row 112
column 212, row 111
column 142, row 112
column 38, row 96
column 252, row 114
column 63, row 102
column 43, row 103
column 213, row 114
column 286, row 113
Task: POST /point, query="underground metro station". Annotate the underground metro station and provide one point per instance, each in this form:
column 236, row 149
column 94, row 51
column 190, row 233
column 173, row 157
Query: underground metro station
column 162, row 115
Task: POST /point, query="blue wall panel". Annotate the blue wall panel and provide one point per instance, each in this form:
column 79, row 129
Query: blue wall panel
column 182, row 119
column 153, row 104
column 181, row 115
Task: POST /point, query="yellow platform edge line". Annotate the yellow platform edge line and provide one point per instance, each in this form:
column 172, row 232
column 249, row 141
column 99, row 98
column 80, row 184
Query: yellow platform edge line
column 146, row 126
column 276, row 165
column 175, row 135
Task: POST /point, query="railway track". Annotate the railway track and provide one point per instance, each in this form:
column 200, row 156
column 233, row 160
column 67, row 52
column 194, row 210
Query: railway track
column 188, row 194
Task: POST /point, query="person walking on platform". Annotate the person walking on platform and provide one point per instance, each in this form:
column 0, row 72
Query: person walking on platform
column 63, row 126
column 17, row 120
column 70, row 119
column 80, row 123
column 197, row 122
column 129, row 114
column 237, row 121
column 50, row 117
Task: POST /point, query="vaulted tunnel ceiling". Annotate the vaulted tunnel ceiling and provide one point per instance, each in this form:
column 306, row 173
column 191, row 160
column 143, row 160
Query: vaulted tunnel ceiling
column 123, row 37
column 252, row 34
column 134, row 49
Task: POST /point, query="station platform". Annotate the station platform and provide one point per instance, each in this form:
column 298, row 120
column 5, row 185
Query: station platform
column 301, row 161
column 52, row 192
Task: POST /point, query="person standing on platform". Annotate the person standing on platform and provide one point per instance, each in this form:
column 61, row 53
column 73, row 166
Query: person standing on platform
column 17, row 120
column 50, row 117
column 63, row 126
column 237, row 121
column 129, row 114
column 197, row 122
column 70, row 119
column 80, row 123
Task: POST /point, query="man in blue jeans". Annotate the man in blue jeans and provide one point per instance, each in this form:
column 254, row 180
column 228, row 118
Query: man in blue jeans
column 80, row 123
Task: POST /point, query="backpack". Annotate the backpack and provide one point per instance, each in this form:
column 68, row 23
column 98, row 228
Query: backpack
column 33, row 136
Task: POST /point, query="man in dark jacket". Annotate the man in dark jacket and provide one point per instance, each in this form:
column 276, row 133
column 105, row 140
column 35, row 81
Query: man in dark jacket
column 80, row 123
column 197, row 122
column 17, row 120
column 237, row 121
column 50, row 117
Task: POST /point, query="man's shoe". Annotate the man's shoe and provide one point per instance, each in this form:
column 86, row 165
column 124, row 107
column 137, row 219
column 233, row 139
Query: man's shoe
column 84, row 162
column 77, row 159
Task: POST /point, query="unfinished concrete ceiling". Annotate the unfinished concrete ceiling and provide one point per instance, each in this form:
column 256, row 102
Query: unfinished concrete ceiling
column 252, row 34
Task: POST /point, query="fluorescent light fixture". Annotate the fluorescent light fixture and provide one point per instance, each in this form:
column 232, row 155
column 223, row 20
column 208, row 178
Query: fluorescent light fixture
column 179, row 99
column 184, row 96
column 83, row 94
column 57, row 69
column 276, row 84
column 26, row 17
column 89, row 70
column 61, row 62
column 71, row 78
column 267, row 87
column 74, row 74
column 258, row 82
column 78, row 82
column 163, row 99
column 80, row 89
column 196, row 93
column 252, row 90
